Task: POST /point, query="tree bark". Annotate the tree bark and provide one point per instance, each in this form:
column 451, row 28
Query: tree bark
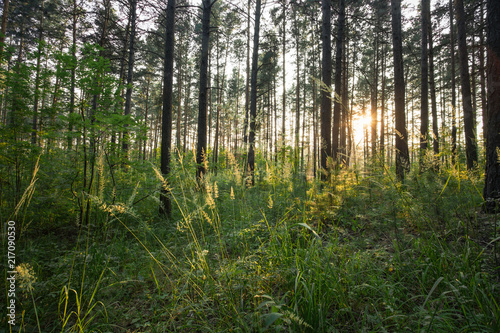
column 470, row 136
column 253, row 94
column 402, row 155
column 283, row 127
column 382, row 109
column 201, row 149
column 424, row 84
column 297, row 94
column 3, row 30
column 247, row 86
column 432, row 86
column 148, row 83
column 73, row 75
column 37, row 81
column 338, row 82
column 492, row 179
column 130, row 76
column 166, row 127
column 483, row 74
column 326, row 74
column 453, row 85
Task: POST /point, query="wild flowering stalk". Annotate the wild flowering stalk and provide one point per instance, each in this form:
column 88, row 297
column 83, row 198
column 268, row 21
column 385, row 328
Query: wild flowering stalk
column 26, row 277
column 234, row 167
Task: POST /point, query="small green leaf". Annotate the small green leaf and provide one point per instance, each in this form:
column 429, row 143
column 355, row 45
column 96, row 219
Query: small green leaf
column 271, row 318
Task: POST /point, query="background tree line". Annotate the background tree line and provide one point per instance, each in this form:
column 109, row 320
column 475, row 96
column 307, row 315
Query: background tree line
column 324, row 84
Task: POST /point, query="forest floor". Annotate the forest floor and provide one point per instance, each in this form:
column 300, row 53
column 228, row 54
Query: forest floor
column 360, row 253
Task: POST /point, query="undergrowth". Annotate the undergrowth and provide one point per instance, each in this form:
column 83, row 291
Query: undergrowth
column 358, row 253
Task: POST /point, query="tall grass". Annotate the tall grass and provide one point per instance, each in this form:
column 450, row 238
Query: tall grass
column 361, row 253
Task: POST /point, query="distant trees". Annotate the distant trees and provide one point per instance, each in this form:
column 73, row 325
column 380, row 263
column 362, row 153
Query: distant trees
column 97, row 78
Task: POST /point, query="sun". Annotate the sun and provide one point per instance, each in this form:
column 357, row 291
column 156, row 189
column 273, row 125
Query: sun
column 360, row 122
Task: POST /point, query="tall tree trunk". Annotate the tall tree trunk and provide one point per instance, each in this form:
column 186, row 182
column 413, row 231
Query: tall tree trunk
column 247, row 86
column 186, row 108
column 432, row 86
column 283, row 127
column 297, row 96
column 130, row 77
column 87, row 183
column 3, row 30
column 218, row 94
column 253, row 94
column 344, row 106
column 209, row 95
column 374, row 94
column 166, row 127
column 424, row 83
column 179, row 104
column 492, row 180
column 453, row 85
column 314, row 112
column 148, row 82
column 37, row 80
column 338, row 82
column 402, row 155
column 237, row 109
column 326, row 74
column 482, row 69
column 201, row 149
column 470, row 136
column 275, row 107
column 382, row 109
column 73, row 74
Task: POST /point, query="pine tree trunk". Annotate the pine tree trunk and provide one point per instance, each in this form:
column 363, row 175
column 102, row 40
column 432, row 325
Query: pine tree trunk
column 186, row 108
column 73, row 75
column 382, row 110
column 374, row 97
column 130, row 77
column 201, row 149
column 482, row 70
column 166, row 127
column 338, row 82
column 492, row 180
column 326, row 74
column 253, row 94
column 297, row 100
column 247, row 86
column 453, row 85
column 432, row 86
column 179, row 105
column 424, row 82
column 148, row 82
column 283, row 127
column 3, row 30
column 470, row 136
column 402, row 155
column 345, row 110
column 37, row 82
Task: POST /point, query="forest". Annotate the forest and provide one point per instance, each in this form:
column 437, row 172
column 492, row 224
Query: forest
column 250, row 166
